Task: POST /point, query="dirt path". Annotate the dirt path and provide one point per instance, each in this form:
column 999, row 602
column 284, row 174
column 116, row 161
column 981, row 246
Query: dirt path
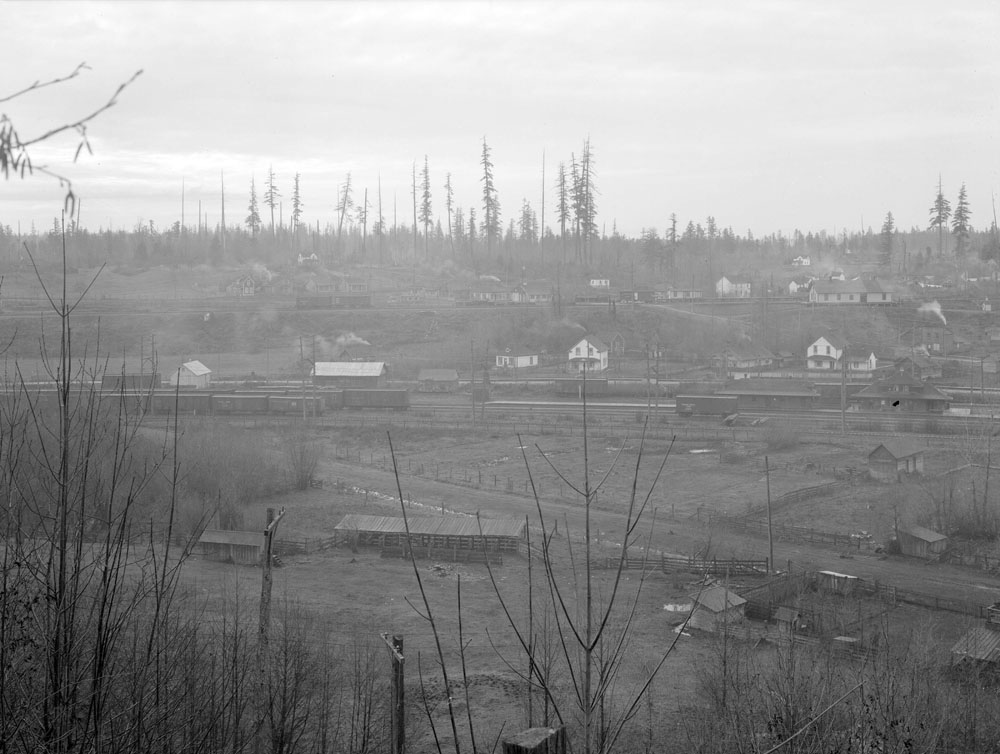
column 680, row 536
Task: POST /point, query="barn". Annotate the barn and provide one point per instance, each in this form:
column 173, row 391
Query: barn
column 438, row 380
column 919, row 542
column 191, row 374
column 452, row 537
column 893, row 458
column 351, row 374
column 243, row 547
column 715, row 607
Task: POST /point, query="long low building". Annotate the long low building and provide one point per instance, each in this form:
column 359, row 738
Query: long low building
column 435, row 532
column 771, row 394
column 351, row 373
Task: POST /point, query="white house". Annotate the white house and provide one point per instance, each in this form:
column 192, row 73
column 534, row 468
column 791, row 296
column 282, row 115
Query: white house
column 517, row 357
column 801, row 261
column 737, row 287
column 800, row 284
column 849, row 292
column 602, row 283
column 590, row 354
column 191, row 374
column 827, row 353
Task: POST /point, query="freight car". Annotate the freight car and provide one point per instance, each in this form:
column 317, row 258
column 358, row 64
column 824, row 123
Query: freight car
column 574, row 386
column 295, row 404
column 165, row 403
column 235, row 403
column 706, row 405
column 376, row 398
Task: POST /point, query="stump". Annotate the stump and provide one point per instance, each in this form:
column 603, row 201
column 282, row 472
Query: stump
column 537, row 741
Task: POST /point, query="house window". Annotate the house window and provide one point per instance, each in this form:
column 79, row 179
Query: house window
column 838, row 297
column 578, row 350
column 828, row 350
column 850, row 296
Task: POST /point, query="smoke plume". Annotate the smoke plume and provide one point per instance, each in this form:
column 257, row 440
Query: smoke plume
column 934, row 308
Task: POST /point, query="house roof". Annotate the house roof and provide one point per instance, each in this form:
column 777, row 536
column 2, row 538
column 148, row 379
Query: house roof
column 196, row 368
column 884, row 388
column 518, row 350
column 718, row 598
column 438, row 375
column 736, row 279
column 900, row 448
column 786, row 614
column 454, row 526
column 348, row 368
column 596, row 342
column 980, row 643
column 225, row 537
column 847, row 286
column 927, row 535
column 835, row 340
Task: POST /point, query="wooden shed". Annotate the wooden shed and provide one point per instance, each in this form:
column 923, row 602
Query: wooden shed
column 351, row 374
column 191, row 374
column 919, row 542
column 438, row 380
column 715, row 607
column 894, row 458
column 434, row 535
column 243, row 547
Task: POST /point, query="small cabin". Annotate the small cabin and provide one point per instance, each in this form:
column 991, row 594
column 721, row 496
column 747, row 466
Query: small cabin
column 716, row 607
column 241, row 547
column 918, row 542
column 892, row 459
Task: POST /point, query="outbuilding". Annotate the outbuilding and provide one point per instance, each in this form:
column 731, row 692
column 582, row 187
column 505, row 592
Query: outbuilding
column 191, row 374
column 351, row 373
column 716, row 607
column 919, row 542
column 894, row 458
column 243, row 547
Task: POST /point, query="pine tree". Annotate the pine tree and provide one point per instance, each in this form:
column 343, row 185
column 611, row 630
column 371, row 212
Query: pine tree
column 562, row 207
column 271, row 195
column 491, row 205
column 940, row 213
column 527, row 224
column 449, row 201
column 297, row 204
column 472, row 233
column 588, row 189
column 344, row 204
column 425, row 203
column 253, row 218
column 960, row 227
column 887, row 240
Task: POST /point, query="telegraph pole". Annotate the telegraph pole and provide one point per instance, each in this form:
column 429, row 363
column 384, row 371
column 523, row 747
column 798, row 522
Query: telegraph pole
column 843, row 393
column 264, row 627
column 472, row 379
column 398, row 700
column 770, row 539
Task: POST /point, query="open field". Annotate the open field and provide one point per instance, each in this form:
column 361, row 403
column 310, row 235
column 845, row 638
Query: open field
column 358, row 595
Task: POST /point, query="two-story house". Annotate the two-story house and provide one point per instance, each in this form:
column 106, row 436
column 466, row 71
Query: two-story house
column 827, row 353
column 590, row 355
column 730, row 285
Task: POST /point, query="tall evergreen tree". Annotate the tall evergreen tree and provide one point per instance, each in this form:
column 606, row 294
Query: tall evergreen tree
column 449, row 202
column 425, row 203
column 297, row 205
column 562, row 205
column 344, row 204
column 887, row 240
column 527, row 224
column 940, row 213
column 253, row 216
column 588, row 189
column 271, row 195
column 472, row 234
column 491, row 204
column 960, row 225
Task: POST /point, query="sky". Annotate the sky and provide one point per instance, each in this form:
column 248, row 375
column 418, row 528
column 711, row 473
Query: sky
column 768, row 116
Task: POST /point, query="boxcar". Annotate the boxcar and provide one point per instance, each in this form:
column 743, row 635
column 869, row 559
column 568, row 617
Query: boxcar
column 295, row 404
column 332, row 399
column 236, row 403
column 164, row 402
column 376, row 398
column 717, row 405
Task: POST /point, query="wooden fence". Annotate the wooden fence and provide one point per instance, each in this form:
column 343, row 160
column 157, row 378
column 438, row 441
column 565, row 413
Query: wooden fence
column 676, row 564
column 794, row 533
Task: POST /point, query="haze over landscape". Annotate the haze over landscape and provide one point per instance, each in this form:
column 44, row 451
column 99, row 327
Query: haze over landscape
column 768, row 115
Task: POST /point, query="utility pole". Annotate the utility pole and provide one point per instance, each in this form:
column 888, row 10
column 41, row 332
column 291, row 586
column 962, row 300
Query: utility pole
column 264, row 627
column 843, row 392
column 472, row 379
column 398, row 700
column 770, row 538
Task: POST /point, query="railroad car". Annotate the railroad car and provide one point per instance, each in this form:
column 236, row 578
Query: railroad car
column 164, row 403
column 376, row 398
column 314, row 301
column 236, row 403
column 295, row 404
column 574, row 386
column 706, row 405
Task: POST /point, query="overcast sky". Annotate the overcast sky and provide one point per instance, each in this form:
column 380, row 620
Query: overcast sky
column 766, row 115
